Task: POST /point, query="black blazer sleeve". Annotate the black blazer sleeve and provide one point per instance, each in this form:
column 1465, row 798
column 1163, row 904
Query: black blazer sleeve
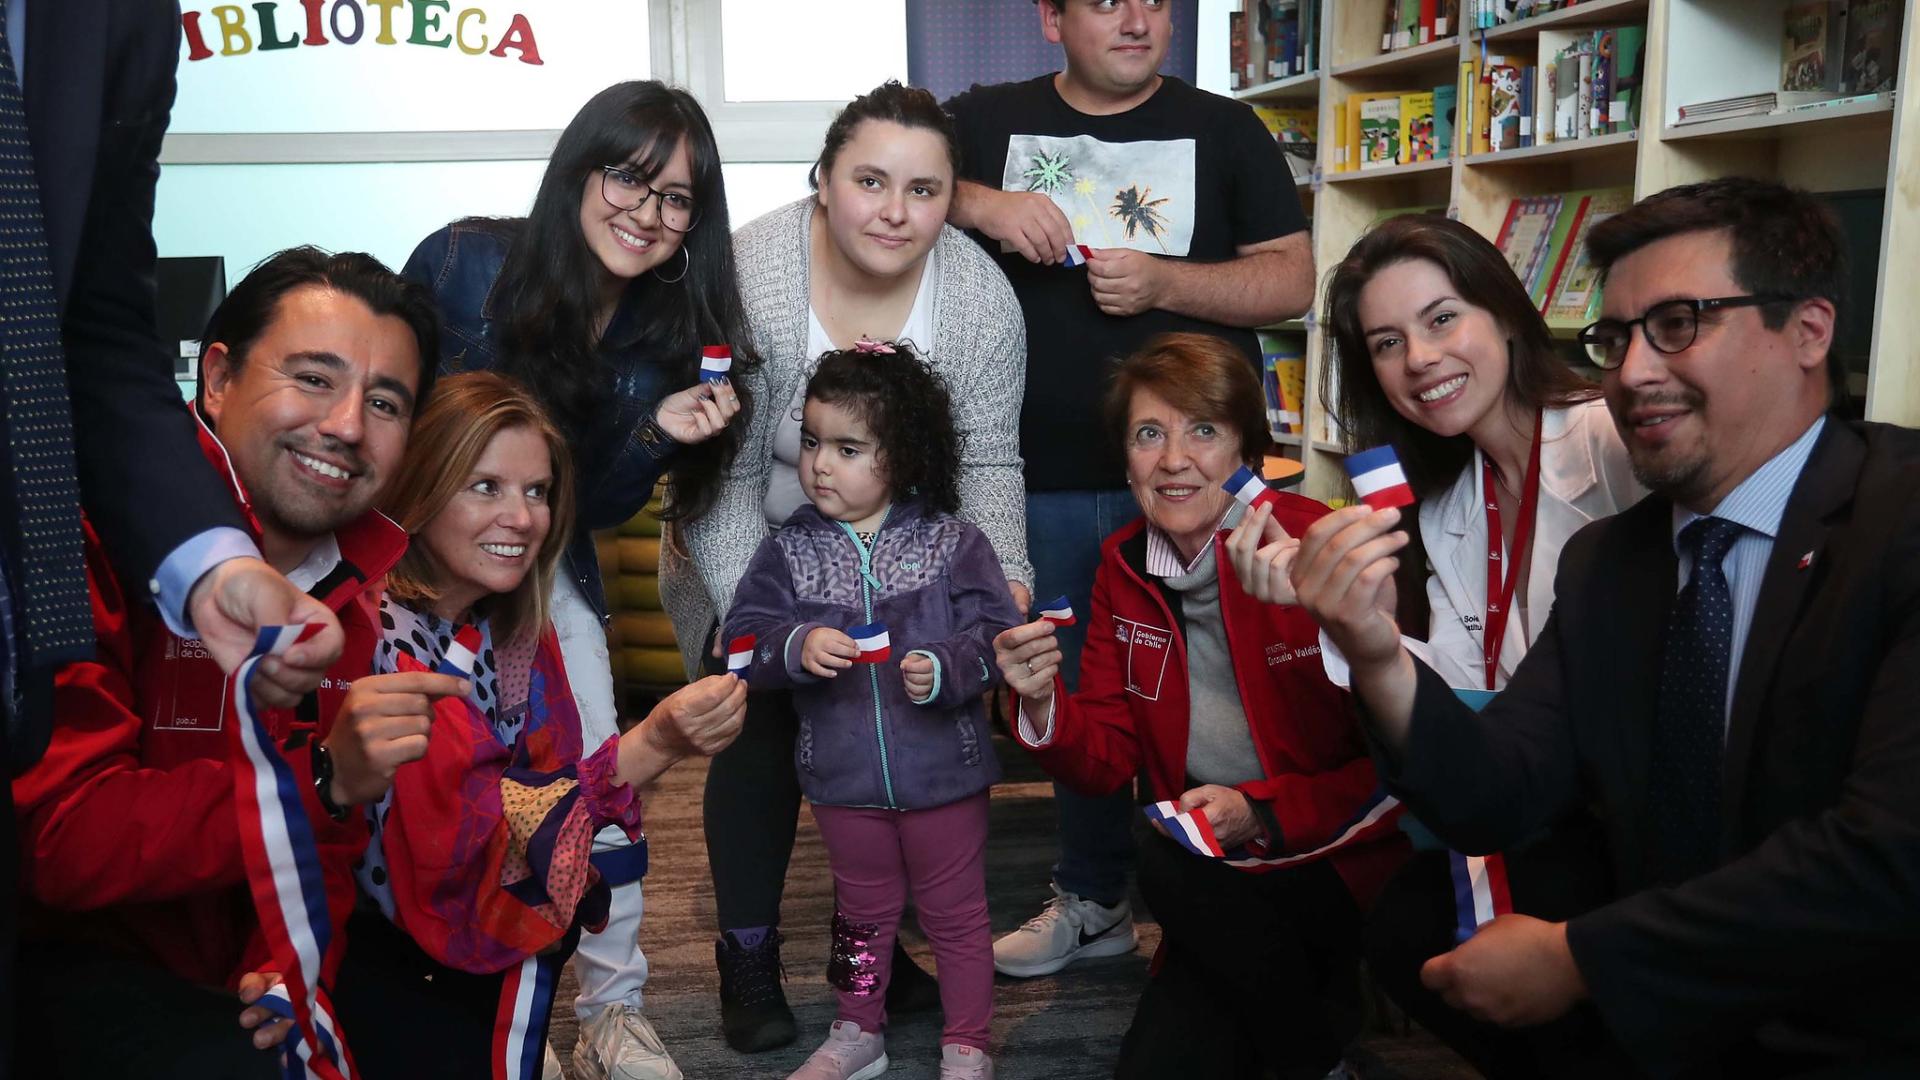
column 100, row 80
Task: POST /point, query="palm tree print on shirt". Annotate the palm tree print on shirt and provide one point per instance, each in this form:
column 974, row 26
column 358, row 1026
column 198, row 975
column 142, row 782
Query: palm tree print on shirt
column 1140, row 212
column 1048, row 173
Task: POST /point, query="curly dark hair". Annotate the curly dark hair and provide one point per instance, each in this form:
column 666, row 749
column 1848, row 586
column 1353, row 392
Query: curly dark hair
column 906, row 404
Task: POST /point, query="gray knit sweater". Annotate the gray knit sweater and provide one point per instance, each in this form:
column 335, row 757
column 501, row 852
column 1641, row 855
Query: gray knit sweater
column 981, row 350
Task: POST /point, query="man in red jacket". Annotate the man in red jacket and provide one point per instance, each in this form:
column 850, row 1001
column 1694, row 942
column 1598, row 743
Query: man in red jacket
column 142, row 928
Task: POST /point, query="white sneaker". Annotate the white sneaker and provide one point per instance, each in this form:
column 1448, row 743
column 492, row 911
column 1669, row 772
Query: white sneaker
column 848, row 1054
column 1069, row 929
column 619, row 1044
column 959, row 1061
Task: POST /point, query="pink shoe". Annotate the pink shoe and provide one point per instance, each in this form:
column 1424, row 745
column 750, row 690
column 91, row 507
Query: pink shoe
column 959, row 1061
column 848, row 1054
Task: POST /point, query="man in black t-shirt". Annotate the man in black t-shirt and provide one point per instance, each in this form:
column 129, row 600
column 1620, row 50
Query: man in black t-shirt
column 1194, row 224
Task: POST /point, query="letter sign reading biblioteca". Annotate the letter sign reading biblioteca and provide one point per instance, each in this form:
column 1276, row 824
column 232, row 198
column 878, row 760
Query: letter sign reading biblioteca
column 233, row 30
column 305, row 67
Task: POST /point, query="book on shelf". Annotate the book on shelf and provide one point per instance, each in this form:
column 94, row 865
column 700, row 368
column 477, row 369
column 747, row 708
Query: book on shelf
column 1482, row 97
column 1237, row 49
column 1390, row 32
column 1527, row 234
column 1810, row 42
column 1409, row 34
column 1380, row 131
column 1575, row 296
column 1629, row 64
column 1760, row 104
column 1870, row 57
column 1503, row 106
column 1602, row 91
column 1280, row 38
column 1284, row 375
column 1416, row 127
column 1342, row 158
column 1296, row 131
column 1446, row 99
column 1466, row 112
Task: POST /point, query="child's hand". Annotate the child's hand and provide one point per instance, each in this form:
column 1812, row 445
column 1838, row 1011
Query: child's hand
column 917, row 670
column 827, row 652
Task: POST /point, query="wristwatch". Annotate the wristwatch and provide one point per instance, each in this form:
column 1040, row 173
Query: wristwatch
column 323, row 782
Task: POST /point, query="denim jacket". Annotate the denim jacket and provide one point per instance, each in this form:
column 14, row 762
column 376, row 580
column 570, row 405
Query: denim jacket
column 937, row 585
column 460, row 263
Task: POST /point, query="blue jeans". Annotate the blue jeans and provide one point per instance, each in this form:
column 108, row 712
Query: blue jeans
column 1064, row 531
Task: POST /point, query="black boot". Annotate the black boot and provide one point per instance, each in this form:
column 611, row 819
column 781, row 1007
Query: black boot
column 910, row 989
column 753, row 1007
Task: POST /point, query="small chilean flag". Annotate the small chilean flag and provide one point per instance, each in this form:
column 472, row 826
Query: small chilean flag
column 740, row 655
column 1249, row 489
column 715, row 362
column 1378, row 479
column 872, row 641
column 461, row 654
column 1189, row 828
column 1059, row 613
column 1078, row 254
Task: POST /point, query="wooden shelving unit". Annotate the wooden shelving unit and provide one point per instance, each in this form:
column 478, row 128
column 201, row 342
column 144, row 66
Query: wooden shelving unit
column 1696, row 50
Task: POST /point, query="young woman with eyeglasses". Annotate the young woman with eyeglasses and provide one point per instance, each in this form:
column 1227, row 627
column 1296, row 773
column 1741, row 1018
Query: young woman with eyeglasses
column 600, row 300
column 1439, row 351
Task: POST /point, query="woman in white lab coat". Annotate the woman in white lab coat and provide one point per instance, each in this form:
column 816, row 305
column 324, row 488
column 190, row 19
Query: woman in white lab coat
column 1440, row 352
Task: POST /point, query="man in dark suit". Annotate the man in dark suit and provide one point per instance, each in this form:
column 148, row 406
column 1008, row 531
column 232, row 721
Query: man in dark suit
column 1728, row 677
column 88, row 85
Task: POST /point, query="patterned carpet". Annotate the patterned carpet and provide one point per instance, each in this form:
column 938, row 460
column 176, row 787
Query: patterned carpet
column 1065, row 1027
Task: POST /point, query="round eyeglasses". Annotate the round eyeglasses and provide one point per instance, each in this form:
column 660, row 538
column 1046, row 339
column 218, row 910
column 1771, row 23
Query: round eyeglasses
column 1669, row 327
column 625, row 191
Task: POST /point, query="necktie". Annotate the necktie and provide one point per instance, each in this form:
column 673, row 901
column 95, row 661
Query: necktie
column 51, row 586
column 1688, row 742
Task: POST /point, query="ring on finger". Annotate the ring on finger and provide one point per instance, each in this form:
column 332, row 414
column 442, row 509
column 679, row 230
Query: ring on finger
column 1029, row 664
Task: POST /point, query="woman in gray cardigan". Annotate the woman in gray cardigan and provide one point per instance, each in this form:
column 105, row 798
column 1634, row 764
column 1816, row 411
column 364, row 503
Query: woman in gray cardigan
column 869, row 256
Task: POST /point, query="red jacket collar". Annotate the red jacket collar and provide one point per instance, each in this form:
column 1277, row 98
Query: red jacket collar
column 369, row 545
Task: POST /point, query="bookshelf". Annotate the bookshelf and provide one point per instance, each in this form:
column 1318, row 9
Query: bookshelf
column 1696, row 50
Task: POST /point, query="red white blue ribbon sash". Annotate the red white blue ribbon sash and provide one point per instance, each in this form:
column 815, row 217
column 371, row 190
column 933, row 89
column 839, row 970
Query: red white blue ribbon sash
column 872, row 642
column 1059, row 612
column 284, row 872
column 1191, row 830
column 740, row 655
column 520, row 1025
column 1188, row 828
column 1078, row 254
column 715, row 362
column 1249, row 489
column 1378, row 479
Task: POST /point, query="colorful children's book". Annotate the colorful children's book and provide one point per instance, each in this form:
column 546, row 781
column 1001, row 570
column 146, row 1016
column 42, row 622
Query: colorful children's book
column 1566, row 95
column 1807, row 47
column 1380, row 132
column 1445, row 109
column 1576, row 298
column 1482, row 99
column 1603, row 60
column 1284, row 373
column 1416, row 127
column 1527, row 233
column 1342, row 157
column 1237, row 49
column 1872, row 54
column 1629, row 61
column 1503, row 106
column 1294, row 130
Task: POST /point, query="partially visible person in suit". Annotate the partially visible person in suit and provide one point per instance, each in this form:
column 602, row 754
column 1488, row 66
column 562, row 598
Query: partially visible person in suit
column 85, row 91
column 1727, row 675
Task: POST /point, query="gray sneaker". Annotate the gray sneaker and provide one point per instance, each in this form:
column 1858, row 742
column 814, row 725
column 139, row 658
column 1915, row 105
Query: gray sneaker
column 619, row 1044
column 848, row 1054
column 1069, row 929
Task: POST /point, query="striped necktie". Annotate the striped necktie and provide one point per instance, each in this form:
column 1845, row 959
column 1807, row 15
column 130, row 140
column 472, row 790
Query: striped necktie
column 55, row 623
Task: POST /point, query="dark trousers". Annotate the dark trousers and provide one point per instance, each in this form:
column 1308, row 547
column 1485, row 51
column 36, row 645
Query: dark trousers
column 751, row 811
column 98, row 1015
column 1562, row 875
column 1257, row 974
column 409, row 1017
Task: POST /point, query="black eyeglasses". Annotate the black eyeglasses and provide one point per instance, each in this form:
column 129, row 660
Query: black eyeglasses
column 1669, row 327
column 625, row 191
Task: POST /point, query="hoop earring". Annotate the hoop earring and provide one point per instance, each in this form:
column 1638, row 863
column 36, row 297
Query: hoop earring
column 686, row 266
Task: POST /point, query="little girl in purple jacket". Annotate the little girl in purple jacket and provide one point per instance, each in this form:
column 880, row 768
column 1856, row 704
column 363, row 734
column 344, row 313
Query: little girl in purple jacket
column 878, row 609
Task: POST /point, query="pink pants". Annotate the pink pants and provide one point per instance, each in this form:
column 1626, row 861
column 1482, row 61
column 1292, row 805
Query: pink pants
column 941, row 853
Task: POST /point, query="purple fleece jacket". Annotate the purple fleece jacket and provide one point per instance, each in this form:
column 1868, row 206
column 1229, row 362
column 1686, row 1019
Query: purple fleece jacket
column 936, row 584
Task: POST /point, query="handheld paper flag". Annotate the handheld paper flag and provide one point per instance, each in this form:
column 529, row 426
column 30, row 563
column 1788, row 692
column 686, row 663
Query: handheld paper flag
column 1059, row 613
column 1245, row 486
column 715, row 362
column 873, row 642
column 740, row 655
column 462, row 653
column 1078, row 254
column 1378, row 479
